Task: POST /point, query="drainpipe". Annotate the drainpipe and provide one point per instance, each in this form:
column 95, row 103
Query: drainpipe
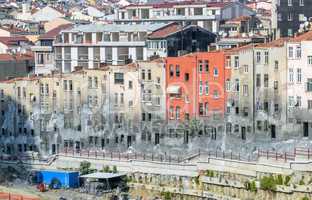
column 254, row 89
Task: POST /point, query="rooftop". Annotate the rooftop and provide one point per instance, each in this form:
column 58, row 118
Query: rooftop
column 100, row 175
column 12, row 40
column 116, row 28
column 54, row 32
column 181, row 3
column 302, row 37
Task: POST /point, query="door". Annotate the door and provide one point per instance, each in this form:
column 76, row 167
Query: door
column 305, row 129
column 156, row 138
column 102, row 143
column 129, row 141
column 53, row 149
column 273, row 131
column 186, row 137
column 77, row 146
column 243, row 133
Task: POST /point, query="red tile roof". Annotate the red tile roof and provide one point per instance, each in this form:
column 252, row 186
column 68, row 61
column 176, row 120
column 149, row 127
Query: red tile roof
column 302, row 37
column 54, row 32
column 165, row 31
column 12, row 40
column 16, row 57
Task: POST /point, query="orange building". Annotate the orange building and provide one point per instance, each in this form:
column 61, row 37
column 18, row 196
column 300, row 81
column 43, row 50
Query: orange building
column 195, row 85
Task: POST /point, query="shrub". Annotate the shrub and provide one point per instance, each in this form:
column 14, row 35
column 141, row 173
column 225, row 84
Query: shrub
column 287, row 180
column 166, row 195
column 115, row 169
column 251, row 186
column 268, row 183
column 305, row 198
column 85, row 167
column 209, row 173
column 279, row 180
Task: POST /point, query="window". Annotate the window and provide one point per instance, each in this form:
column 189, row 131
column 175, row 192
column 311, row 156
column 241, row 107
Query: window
column 309, row 60
column 215, row 94
column 186, row 76
column 201, row 109
column 119, row 78
column 276, row 65
column 116, row 99
column 276, row 107
column 206, row 88
column 215, row 72
column 266, row 80
column 149, row 74
column 143, row 74
column 70, row 83
column 309, row 85
column 290, row 52
column 200, row 66
column 130, row 85
column 298, row 52
column 177, row 71
column 228, row 62
column 237, row 85
column 289, row 2
column 65, row 85
column 171, row 112
column 299, row 75
column 206, row 63
column 301, row 2
column 275, row 85
column 200, row 87
column 40, row 59
column 178, row 112
column 171, row 70
column 298, row 104
column 236, row 62
column 228, row 85
column 290, row 32
column 246, row 68
column 291, row 101
column 143, row 116
column 290, row 16
column 309, row 104
column 121, row 98
column 258, row 80
column 266, row 57
column 206, row 108
column 258, row 57
column 279, row 17
column 291, row 75
column 245, row 90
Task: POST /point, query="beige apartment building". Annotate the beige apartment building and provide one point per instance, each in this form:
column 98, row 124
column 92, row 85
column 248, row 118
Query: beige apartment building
column 89, row 108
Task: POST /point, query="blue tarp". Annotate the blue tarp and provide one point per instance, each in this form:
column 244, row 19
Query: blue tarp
column 60, row 179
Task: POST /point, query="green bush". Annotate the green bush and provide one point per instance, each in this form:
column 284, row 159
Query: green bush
column 301, row 182
column 251, row 186
column 166, row 195
column 268, row 183
column 305, row 198
column 287, row 180
column 279, row 180
column 85, row 168
column 115, row 169
column 209, row 173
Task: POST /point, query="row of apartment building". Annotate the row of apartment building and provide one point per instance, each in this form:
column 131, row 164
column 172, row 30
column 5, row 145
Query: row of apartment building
column 255, row 92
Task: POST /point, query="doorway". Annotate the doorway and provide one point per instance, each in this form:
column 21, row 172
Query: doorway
column 305, row 129
column 273, row 131
column 129, row 142
column 243, row 133
column 156, row 138
column 53, row 149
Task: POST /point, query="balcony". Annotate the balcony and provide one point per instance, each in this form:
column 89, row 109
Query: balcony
column 41, row 48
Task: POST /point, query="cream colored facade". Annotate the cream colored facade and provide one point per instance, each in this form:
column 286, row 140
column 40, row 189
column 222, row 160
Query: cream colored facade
column 91, row 109
column 153, row 101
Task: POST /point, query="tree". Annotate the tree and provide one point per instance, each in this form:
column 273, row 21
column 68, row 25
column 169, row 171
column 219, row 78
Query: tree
column 85, row 168
column 268, row 183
